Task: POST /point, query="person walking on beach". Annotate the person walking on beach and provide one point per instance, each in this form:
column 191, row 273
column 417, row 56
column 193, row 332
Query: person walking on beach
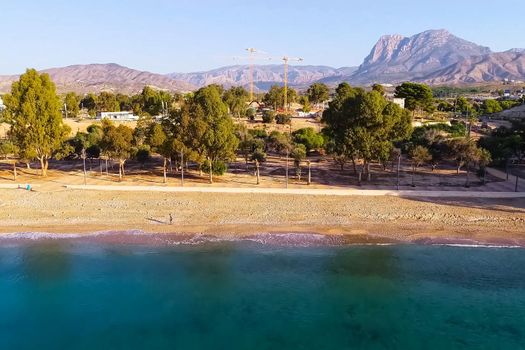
column 171, row 219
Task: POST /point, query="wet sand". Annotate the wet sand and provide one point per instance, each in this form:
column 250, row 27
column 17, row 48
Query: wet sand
column 343, row 220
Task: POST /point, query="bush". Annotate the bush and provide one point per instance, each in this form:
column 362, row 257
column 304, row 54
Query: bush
column 258, row 133
column 309, row 138
column 268, row 117
column 283, row 119
column 143, row 154
column 219, row 167
column 250, row 113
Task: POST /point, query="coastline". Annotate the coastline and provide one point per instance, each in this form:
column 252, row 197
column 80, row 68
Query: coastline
column 223, row 216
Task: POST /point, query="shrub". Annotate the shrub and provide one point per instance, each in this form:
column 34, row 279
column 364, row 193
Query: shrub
column 219, row 167
column 268, row 117
column 283, row 119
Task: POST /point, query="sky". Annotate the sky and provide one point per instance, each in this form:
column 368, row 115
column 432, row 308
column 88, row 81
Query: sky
column 165, row 36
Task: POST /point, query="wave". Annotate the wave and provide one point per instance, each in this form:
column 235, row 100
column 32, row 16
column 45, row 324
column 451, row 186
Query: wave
column 278, row 239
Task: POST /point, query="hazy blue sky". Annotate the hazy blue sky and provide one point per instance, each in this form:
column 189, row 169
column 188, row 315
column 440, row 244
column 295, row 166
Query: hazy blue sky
column 165, row 36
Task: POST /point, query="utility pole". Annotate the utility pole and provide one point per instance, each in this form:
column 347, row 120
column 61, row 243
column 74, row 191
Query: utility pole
column 286, row 59
column 84, row 161
column 287, row 156
column 181, row 168
column 65, row 109
column 398, row 166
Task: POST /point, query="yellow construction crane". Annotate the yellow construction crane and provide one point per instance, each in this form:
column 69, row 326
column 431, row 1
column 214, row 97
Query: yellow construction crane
column 252, row 52
column 286, row 59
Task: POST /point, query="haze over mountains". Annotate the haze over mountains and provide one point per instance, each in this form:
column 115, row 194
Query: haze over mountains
column 434, row 57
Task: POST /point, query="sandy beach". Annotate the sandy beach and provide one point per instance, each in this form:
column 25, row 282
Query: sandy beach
column 354, row 219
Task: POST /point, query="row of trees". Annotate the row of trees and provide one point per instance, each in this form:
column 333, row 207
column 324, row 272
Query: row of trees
column 153, row 102
column 361, row 127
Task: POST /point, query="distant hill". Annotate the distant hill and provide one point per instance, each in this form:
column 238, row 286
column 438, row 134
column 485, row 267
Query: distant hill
column 264, row 76
column 104, row 77
column 492, row 67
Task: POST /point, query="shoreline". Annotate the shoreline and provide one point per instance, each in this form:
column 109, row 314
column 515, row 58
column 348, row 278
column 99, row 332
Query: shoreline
column 280, row 239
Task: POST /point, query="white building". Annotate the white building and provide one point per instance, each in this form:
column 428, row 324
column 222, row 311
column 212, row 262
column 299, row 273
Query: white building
column 1, row 104
column 399, row 101
column 118, row 116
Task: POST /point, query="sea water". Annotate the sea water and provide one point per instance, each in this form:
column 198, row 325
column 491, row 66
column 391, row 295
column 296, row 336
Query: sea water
column 92, row 294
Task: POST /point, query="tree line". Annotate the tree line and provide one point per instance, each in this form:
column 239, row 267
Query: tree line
column 360, row 127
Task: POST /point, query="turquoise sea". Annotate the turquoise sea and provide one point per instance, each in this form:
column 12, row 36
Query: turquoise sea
column 100, row 294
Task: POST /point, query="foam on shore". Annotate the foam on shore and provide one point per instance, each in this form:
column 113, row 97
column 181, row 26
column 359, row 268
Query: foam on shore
column 276, row 239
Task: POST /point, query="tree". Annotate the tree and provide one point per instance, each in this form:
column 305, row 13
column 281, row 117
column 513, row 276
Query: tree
column 419, row 155
column 7, row 148
column 107, row 102
column 417, row 96
column 33, row 111
column 279, row 142
column 154, row 102
column 89, row 102
column 156, row 139
column 143, row 155
column 379, row 88
column 236, row 98
column 491, row 106
column 317, row 93
column 309, row 138
column 336, row 119
column 117, row 143
column 143, row 127
column 484, row 160
column 298, row 154
column 364, row 125
column 213, row 127
column 275, row 97
column 283, row 119
column 72, row 103
column 268, row 117
column 465, row 152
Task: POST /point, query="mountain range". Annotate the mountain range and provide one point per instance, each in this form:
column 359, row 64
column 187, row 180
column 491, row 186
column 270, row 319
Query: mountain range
column 435, row 57
column 104, row 77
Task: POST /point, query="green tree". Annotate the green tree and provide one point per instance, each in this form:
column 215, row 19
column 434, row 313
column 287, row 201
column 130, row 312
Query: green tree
column 298, row 154
column 157, row 139
column 419, row 156
column 309, row 138
column 211, row 128
column 268, row 117
column 279, row 142
column 236, row 98
column 484, row 159
column 155, row 102
column 33, row 111
column 8, row 148
column 89, row 102
column 275, row 97
column 379, row 88
column 491, row 106
column 72, row 103
column 364, row 125
column 143, row 154
column 107, row 102
column 283, row 119
column 117, row 143
column 465, row 152
column 417, row 96
column 317, row 93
